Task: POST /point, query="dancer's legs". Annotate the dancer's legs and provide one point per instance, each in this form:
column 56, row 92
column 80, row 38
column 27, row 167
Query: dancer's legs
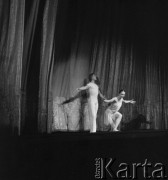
column 117, row 117
column 93, row 107
column 109, row 118
column 94, row 116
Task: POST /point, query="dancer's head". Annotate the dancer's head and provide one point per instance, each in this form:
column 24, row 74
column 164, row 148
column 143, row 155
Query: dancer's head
column 93, row 77
column 122, row 93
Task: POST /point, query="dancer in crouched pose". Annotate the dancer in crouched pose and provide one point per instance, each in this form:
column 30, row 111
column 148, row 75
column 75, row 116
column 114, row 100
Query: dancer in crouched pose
column 112, row 116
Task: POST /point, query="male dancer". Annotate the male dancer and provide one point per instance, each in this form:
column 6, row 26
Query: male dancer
column 112, row 116
column 93, row 92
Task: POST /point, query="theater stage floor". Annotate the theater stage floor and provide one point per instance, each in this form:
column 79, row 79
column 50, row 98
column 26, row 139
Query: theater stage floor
column 71, row 155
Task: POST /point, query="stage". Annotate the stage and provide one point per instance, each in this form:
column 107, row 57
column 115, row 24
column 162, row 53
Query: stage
column 72, row 155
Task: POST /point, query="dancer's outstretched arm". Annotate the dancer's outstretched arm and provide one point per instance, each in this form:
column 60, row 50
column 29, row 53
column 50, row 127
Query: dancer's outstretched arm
column 76, row 95
column 129, row 101
column 110, row 100
column 70, row 99
column 83, row 88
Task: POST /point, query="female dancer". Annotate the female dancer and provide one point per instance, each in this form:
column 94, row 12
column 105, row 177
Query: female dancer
column 112, row 116
column 93, row 92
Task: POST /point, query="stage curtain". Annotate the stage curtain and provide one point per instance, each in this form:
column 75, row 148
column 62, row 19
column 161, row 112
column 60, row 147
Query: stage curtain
column 45, row 109
column 22, row 96
column 11, row 53
column 18, row 21
column 124, row 44
column 30, row 25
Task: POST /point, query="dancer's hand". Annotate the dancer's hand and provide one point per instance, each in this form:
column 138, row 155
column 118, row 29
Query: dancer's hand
column 77, row 91
column 132, row 101
column 105, row 100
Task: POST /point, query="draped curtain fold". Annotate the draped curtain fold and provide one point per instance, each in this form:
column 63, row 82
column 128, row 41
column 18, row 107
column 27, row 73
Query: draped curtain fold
column 46, row 65
column 30, row 21
column 19, row 22
column 11, row 51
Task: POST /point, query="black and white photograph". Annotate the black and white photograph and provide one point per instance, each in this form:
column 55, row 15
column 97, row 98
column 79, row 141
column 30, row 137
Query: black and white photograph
column 83, row 89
